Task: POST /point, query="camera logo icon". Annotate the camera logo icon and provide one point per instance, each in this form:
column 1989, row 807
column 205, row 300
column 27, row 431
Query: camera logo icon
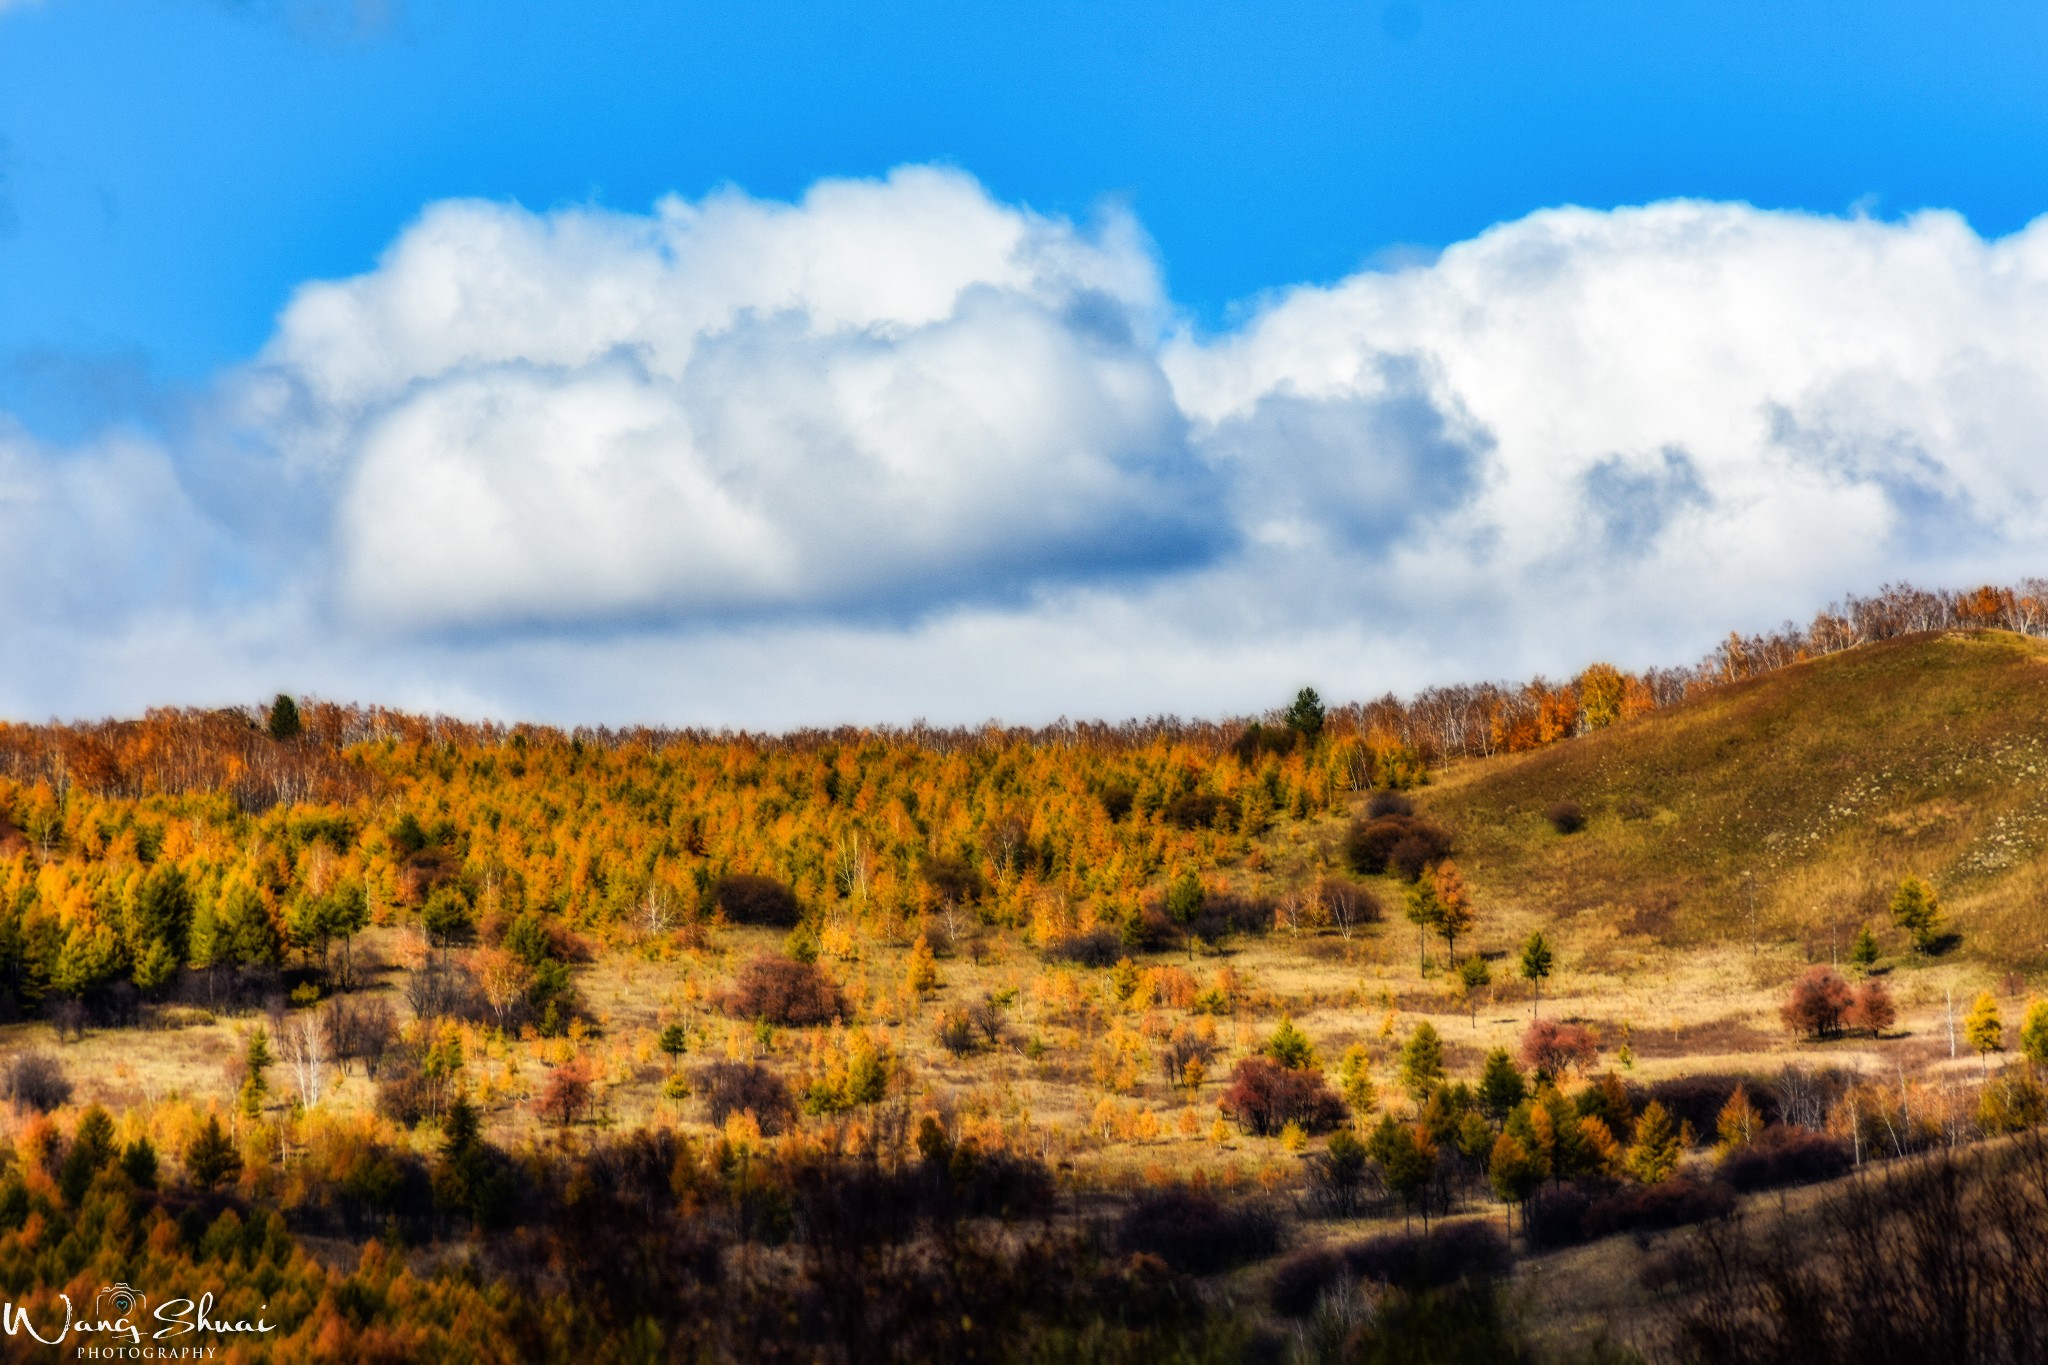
column 118, row 1301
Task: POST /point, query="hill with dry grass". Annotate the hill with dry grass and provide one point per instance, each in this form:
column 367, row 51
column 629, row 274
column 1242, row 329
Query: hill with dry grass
column 1788, row 806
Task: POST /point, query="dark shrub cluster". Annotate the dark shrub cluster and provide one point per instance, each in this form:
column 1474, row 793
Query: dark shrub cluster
column 1101, row 948
column 1566, row 817
column 1265, row 1097
column 1404, row 843
column 1571, row 1214
column 783, row 991
column 1117, row 797
column 1258, row 740
column 35, row 1080
column 1196, row 1233
column 1198, row 810
column 1469, row 1250
column 358, row 1030
column 1699, row 1099
column 732, row 1088
column 1351, row 906
column 1784, row 1154
column 745, row 898
column 1224, row 913
column 446, row 990
column 1387, row 802
column 953, row 880
column 1938, row 1259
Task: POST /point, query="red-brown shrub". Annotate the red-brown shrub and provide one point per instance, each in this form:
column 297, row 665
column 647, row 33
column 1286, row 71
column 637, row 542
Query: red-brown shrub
column 567, row 1095
column 1265, row 1097
column 1551, row 1048
column 783, row 991
column 1818, row 1003
column 1872, row 1009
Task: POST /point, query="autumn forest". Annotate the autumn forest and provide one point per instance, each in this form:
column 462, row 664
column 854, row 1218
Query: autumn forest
column 1634, row 1016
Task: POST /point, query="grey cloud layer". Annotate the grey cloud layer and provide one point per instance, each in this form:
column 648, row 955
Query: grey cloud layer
column 899, row 450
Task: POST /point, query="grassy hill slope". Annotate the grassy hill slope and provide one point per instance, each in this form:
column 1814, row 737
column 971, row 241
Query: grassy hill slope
column 1790, row 806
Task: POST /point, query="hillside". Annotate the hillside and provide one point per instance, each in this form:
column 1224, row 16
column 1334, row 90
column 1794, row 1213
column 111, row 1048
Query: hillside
column 1789, row 805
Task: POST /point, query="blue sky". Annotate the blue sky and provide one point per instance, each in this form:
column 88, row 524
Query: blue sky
column 174, row 173
column 175, row 167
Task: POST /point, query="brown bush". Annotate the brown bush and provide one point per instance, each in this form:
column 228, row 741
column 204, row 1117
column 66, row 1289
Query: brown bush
column 1098, row 949
column 1571, row 1214
column 1196, row 1233
column 567, row 1095
column 1871, row 1009
column 1351, row 906
column 1265, row 1097
column 745, row 898
column 1551, row 1048
column 35, row 1080
column 1818, row 1004
column 1785, row 1154
column 1401, row 841
column 747, row 1088
column 1387, row 803
column 783, row 991
column 1196, row 810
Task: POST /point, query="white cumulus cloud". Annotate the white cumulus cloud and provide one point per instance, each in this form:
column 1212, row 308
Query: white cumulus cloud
column 1658, row 420
column 889, row 394
column 899, row 449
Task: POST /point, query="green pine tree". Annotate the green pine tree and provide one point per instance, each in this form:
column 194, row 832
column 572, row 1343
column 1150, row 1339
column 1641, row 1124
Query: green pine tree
column 1422, row 1061
column 284, row 718
column 1917, row 910
column 1537, row 963
column 1501, row 1086
column 1290, row 1047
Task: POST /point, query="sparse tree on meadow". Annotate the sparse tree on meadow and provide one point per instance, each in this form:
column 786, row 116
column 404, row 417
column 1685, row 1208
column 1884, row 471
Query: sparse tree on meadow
column 1984, row 1030
column 1818, row 1005
column 675, row 1041
column 1354, row 1081
column 566, row 1095
column 2034, row 1034
column 1425, row 912
column 1290, row 1047
column 1917, row 910
column 1455, row 915
column 1537, row 963
column 256, row 1060
column 1551, row 1048
column 1474, row 976
column 302, row 1041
